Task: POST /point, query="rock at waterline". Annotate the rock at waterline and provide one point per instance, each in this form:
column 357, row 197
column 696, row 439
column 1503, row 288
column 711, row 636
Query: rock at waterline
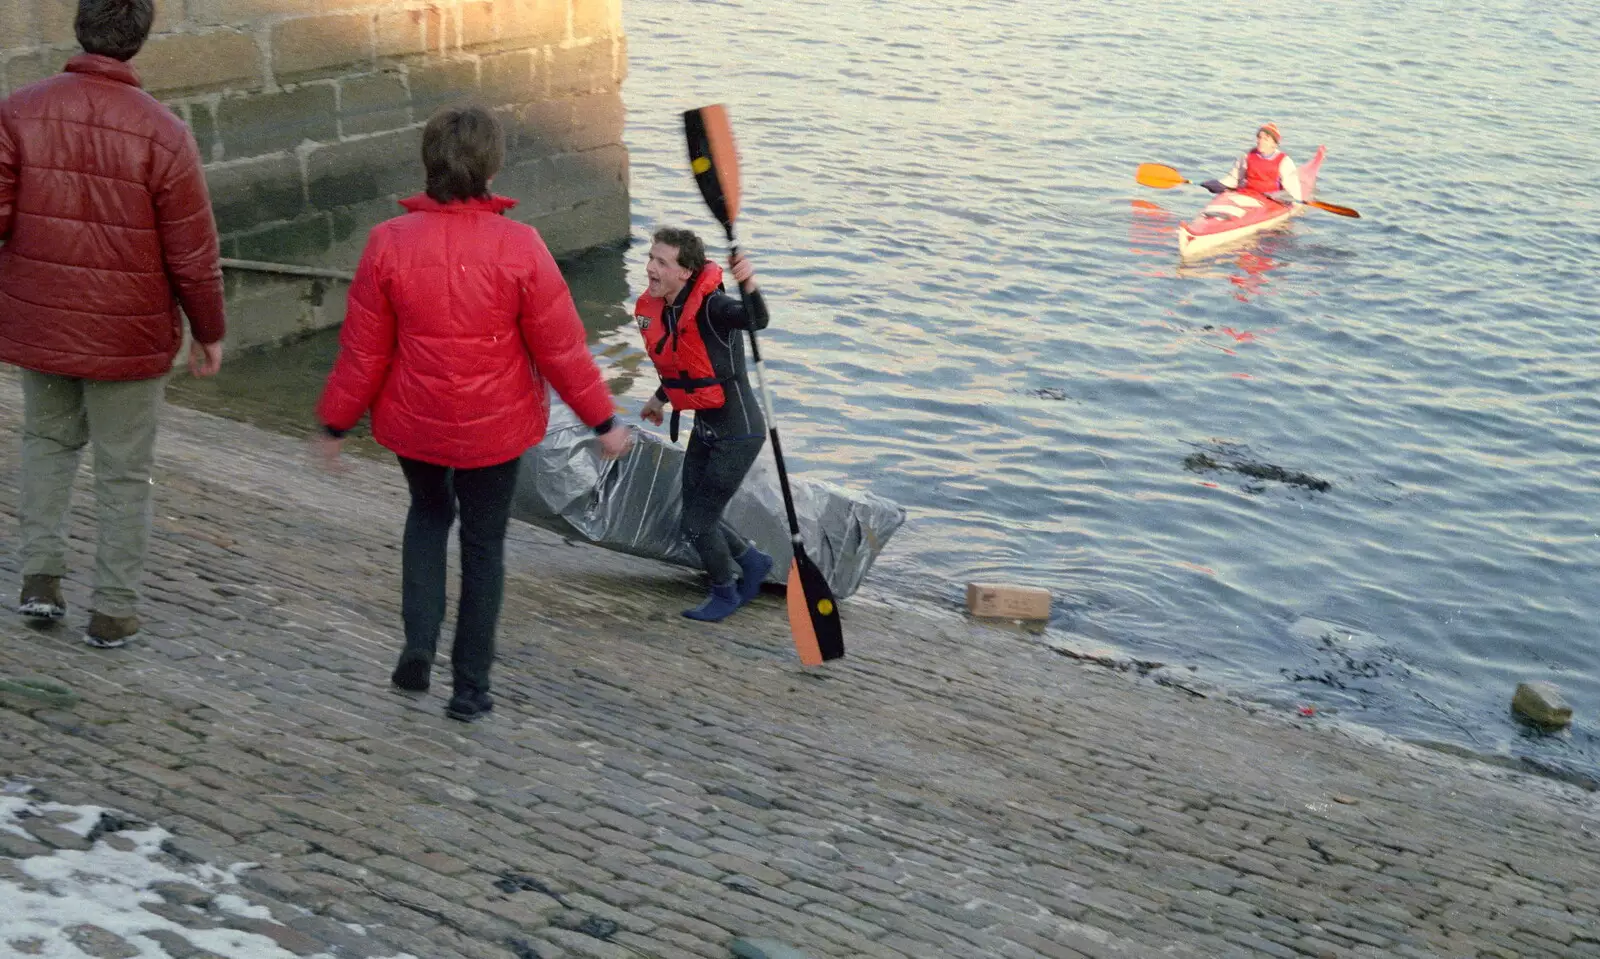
column 1542, row 705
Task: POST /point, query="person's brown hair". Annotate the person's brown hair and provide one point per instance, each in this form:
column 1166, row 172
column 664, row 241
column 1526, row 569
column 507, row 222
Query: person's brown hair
column 691, row 251
column 462, row 147
column 113, row 28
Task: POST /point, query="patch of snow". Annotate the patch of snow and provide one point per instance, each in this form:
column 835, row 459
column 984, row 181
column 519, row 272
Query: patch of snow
column 228, row 902
column 108, row 887
column 85, row 817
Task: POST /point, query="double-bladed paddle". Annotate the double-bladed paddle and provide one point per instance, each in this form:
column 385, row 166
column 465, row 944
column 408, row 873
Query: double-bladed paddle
column 813, row 612
column 1162, row 177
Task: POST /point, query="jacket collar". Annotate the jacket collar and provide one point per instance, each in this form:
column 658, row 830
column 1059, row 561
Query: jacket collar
column 423, row 203
column 95, row 65
column 700, row 283
column 684, row 292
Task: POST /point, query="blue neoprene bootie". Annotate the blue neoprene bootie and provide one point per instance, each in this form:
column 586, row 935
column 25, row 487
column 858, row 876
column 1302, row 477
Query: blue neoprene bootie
column 754, row 566
column 723, row 600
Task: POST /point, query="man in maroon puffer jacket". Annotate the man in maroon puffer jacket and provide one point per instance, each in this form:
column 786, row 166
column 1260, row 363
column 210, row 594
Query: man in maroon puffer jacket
column 108, row 230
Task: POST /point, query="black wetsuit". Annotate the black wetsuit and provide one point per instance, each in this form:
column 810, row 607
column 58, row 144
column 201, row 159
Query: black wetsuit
column 725, row 441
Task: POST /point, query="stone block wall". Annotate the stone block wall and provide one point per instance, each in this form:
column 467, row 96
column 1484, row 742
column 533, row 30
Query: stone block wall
column 309, row 115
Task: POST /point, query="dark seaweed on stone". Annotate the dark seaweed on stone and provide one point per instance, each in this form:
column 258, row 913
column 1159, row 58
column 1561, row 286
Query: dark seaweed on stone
column 1207, row 463
column 110, row 822
column 516, row 882
column 522, row 948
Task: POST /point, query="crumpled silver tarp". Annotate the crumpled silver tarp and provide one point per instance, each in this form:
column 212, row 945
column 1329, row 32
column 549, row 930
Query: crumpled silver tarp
column 633, row 504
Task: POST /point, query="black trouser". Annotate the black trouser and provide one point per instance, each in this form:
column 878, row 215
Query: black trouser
column 484, row 497
column 712, row 472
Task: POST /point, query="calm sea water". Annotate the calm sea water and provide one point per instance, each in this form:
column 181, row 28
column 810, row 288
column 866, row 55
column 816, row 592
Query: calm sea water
column 979, row 315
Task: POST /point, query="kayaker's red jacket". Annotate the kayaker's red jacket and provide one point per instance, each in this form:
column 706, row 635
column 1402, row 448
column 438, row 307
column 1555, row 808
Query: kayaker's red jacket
column 1264, row 174
column 107, row 227
column 678, row 350
column 457, row 317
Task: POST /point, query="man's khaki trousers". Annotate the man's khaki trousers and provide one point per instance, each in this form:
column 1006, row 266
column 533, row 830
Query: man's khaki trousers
column 61, row 415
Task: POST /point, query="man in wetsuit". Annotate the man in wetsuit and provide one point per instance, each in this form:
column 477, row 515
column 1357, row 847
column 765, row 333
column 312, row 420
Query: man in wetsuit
column 692, row 331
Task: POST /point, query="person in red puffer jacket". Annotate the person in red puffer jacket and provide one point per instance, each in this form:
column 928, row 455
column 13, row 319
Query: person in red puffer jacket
column 108, row 231
column 457, row 318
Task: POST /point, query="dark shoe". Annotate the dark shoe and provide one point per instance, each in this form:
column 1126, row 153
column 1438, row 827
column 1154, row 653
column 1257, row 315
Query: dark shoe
column 469, row 707
column 41, row 598
column 413, row 673
column 754, row 566
column 109, row 632
column 723, row 600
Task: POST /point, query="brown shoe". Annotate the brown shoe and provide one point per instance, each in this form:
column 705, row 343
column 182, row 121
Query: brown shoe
column 109, row 632
column 41, row 598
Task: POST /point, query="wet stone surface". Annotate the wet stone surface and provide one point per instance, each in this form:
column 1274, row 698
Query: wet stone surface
column 101, row 943
column 650, row 787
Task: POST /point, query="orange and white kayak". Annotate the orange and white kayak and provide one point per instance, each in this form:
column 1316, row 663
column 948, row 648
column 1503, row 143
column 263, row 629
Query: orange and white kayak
column 1238, row 214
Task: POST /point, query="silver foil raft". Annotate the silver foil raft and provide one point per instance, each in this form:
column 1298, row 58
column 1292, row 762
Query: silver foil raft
column 632, row 505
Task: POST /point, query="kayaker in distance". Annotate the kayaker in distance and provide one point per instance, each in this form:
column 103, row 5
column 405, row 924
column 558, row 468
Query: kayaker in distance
column 1266, row 170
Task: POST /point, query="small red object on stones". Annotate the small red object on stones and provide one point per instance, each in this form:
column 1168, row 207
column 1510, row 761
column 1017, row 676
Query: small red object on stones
column 1308, row 710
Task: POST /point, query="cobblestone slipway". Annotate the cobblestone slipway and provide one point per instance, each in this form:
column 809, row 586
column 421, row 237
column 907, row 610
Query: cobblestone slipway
column 649, row 787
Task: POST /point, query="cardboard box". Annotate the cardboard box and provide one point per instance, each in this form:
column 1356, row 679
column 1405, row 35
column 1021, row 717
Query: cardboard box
column 1000, row 601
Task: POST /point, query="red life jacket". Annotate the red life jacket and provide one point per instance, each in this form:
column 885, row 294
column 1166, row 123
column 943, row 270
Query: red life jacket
column 679, row 353
column 1262, row 175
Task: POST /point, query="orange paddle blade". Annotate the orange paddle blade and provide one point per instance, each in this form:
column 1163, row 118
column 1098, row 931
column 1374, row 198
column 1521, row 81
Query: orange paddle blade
column 1334, row 208
column 713, row 159
column 813, row 612
column 1158, row 175
column 719, row 131
column 805, row 636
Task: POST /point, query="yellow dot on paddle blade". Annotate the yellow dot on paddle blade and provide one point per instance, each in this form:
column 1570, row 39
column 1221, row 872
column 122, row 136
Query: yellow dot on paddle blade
column 700, row 164
column 825, row 607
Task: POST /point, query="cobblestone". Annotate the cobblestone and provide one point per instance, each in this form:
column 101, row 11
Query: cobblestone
column 946, row 790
